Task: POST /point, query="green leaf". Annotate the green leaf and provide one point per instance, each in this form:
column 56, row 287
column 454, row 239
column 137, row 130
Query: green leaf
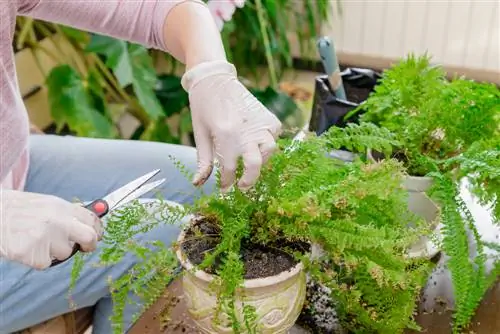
column 96, row 92
column 186, row 123
column 117, row 57
column 131, row 64
column 159, row 131
column 171, row 95
column 311, row 19
column 277, row 102
column 70, row 104
column 271, row 8
column 75, row 34
column 226, row 33
column 144, row 81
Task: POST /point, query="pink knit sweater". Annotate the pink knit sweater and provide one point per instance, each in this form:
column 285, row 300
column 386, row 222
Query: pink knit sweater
column 139, row 21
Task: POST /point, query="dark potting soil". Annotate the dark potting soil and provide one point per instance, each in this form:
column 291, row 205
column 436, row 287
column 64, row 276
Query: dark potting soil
column 259, row 261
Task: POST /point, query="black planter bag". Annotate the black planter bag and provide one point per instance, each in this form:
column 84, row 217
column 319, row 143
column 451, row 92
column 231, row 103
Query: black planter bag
column 328, row 110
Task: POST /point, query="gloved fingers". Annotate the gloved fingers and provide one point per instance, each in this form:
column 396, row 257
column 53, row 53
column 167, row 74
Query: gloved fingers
column 205, row 156
column 61, row 248
column 40, row 262
column 267, row 147
column 89, row 218
column 40, row 257
column 275, row 126
column 228, row 162
column 83, row 235
column 252, row 161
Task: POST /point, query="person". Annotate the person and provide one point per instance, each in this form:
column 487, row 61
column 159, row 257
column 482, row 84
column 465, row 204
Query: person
column 42, row 174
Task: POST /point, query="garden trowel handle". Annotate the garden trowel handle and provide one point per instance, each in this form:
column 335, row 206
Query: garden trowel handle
column 326, row 51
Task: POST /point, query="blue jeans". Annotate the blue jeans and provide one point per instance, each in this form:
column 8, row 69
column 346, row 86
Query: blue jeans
column 86, row 169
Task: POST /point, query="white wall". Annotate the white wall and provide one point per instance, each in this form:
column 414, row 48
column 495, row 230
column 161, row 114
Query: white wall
column 457, row 33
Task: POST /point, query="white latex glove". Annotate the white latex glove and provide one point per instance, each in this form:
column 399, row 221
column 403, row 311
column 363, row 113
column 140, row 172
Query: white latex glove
column 228, row 123
column 37, row 228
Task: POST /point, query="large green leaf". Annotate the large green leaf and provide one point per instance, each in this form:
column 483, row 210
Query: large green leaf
column 144, row 80
column 171, row 95
column 117, row 57
column 132, row 65
column 277, row 102
column 71, row 104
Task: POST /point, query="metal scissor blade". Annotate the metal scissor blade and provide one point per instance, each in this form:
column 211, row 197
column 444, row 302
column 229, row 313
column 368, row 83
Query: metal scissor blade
column 120, row 194
column 139, row 192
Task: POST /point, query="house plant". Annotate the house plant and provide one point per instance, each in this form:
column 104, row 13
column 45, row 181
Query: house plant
column 356, row 213
column 448, row 130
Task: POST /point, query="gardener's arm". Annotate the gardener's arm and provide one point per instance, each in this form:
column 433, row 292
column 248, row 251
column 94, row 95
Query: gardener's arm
column 139, row 21
column 228, row 122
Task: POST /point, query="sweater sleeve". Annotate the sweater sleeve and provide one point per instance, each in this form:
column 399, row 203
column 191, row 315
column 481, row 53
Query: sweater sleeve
column 137, row 21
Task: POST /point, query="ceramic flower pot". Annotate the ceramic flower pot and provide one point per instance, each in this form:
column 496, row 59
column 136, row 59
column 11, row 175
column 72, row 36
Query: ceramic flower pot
column 418, row 183
column 278, row 300
column 411, row 183
column 421, row 205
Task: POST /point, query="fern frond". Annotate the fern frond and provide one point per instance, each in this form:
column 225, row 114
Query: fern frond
column 481, row 166
column 145, row 282
column 361, row 137
column 469, row 278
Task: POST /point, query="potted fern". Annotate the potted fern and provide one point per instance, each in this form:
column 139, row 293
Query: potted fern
column 434, row 119
column 448, row 132
column 246, row 255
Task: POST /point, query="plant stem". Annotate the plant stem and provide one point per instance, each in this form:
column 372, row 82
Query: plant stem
column 267, row 45
column 114, row 83
column 112, row 86
column 136, row 109
column 24, row 33
column 50, row 54
column 109, row 88
column 78, row 56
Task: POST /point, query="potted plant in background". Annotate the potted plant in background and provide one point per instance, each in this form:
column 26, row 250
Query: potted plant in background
column 435, row 119
column 241, row 248
column 448, row 131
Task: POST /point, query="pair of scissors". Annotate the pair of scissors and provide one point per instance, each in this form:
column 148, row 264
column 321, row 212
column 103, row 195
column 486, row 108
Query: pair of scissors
column 129, row 192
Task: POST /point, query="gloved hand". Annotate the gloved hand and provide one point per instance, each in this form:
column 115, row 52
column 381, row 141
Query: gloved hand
column 228, row 123
column 36, row 228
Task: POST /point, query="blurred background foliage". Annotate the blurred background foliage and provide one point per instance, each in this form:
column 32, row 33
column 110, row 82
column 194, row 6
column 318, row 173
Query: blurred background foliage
column 98, row 79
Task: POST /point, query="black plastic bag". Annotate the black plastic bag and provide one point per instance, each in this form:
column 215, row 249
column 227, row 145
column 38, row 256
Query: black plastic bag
column 328, row 110
column 360, row 77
